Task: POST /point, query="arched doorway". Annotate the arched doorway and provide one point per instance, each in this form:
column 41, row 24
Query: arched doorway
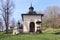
column 32, row 26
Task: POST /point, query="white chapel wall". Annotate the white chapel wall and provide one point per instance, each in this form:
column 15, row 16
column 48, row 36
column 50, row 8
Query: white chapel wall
column 28, row 19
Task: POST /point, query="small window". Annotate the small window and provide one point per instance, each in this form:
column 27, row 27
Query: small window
column 38, row 22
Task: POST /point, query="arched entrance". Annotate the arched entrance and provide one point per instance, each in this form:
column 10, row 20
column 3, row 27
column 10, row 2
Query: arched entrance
column 32, row 26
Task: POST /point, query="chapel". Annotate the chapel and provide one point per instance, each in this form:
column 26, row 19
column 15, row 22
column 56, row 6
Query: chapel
column 32, row 21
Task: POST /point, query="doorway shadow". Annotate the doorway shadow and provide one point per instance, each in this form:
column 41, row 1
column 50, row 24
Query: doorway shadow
column 32, row 26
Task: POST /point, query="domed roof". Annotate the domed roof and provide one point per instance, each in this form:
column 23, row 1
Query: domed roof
column 31, row 7
column 31, row 10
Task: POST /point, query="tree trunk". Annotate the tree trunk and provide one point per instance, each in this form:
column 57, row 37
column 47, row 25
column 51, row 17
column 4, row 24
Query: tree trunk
column 6, row 28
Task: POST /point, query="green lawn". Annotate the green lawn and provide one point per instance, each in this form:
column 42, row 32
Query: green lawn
column 49, row 35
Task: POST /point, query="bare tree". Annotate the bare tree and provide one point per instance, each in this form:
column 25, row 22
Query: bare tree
column 52, row 13
column 6, row 9
column 13, row 24
column 1, row 25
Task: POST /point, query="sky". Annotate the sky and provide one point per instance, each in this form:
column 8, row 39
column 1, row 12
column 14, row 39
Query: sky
column 22, row 6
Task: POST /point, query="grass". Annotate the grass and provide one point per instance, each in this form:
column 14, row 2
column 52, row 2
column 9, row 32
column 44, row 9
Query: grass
column 48, row 35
